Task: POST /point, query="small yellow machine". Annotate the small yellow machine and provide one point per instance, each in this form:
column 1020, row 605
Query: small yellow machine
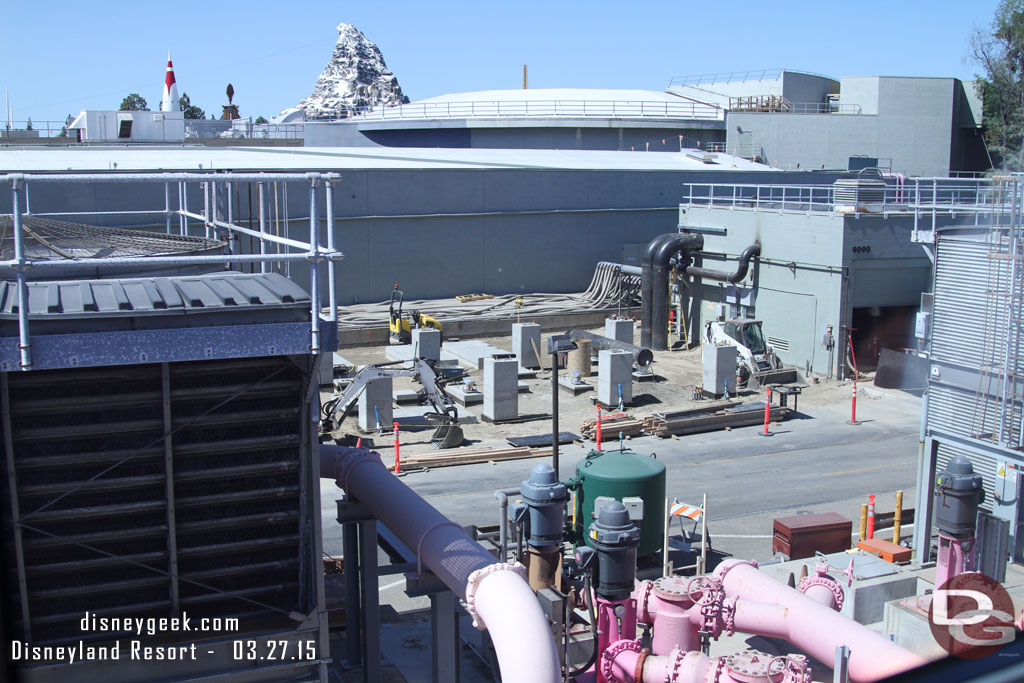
column 401, row 329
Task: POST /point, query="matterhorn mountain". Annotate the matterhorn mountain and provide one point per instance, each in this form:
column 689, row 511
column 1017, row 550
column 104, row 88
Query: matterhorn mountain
column 355, row 79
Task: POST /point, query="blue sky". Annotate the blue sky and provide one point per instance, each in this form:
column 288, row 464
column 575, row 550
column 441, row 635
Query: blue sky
column 60, row 57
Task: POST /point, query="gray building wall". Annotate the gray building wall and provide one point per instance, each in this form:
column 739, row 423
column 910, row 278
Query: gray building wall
column 589, row 134
column 917, row 122
column 440, row 233
column 808, row 275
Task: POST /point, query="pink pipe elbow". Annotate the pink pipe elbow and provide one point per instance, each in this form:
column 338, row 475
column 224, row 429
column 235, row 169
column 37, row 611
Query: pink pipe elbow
column 521, row 634
column 813, row 627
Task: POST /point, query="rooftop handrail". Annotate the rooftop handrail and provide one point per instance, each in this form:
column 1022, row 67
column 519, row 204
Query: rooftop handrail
column 216, row 216
column 738, row 76
column 797, row 107
column 580, row 108
column 914, row 195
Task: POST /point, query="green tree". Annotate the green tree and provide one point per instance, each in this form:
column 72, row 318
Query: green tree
column 28, row 126
column 260, row 119
column 191, row 111
column 134, row 102
column 999, row 51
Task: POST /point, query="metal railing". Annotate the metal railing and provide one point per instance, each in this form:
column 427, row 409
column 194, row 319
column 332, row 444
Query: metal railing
column 774, row 104
column 242, row 128
column 543, row 109
column 738, row 76
column 14, row 131
column 216, row 217
column 920, row 197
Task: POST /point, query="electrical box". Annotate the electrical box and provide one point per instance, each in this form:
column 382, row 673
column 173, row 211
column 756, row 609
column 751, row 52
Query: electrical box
column 599, row 503
column 635, row 508
column 922, row 323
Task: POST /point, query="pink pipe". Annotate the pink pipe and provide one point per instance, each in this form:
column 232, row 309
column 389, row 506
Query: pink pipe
column 822, row 596
column 500, row 599
column 689, row 667
column 813, row 627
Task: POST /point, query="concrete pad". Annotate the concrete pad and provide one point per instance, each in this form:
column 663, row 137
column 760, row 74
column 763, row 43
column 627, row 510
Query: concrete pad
column 875, row 582
column 575, row 388
column 466, row 397
column 472, row 353
column 523, row 387
column 406, row 396
column 413, row 416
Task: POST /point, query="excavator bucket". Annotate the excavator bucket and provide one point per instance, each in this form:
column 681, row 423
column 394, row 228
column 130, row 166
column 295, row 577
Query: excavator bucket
column 447, row 436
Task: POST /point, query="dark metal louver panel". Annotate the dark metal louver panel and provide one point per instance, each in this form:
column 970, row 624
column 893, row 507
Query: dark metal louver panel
column 104, row 526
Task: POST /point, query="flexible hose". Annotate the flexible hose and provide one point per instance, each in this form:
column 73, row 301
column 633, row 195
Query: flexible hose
column 593, row 629
column 608, row 288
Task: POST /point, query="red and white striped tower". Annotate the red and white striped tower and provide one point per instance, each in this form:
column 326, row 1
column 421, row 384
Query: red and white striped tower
column 170, row 101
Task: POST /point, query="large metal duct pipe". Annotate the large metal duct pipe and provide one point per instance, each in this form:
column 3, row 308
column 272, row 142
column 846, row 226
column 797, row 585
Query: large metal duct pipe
column 497, row 595
column 732, row 278
column 679, row 243
column 647, row 286
column 641, row 356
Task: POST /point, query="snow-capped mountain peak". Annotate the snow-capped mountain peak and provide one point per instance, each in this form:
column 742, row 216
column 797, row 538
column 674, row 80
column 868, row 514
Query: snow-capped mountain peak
column 355, row 78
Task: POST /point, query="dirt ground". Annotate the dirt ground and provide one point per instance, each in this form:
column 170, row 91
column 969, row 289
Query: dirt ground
column 675, row 375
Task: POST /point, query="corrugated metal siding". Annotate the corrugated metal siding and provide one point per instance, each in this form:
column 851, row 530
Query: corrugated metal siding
column 132, row 296
column 961, row 280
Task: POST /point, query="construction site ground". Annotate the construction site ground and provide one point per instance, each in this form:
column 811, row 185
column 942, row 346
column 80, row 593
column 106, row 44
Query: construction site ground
column 814, row 462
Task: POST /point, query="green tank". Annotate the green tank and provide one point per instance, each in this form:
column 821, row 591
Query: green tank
column 618, row 475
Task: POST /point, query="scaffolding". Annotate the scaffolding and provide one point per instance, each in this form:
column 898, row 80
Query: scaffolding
column 216, row 218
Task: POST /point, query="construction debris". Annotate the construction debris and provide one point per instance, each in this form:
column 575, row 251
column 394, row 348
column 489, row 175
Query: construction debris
column 611, row 427
column 709, row 419
column 468, row 456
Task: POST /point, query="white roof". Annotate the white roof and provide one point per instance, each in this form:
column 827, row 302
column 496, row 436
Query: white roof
column 177, row 158
column 556, row 95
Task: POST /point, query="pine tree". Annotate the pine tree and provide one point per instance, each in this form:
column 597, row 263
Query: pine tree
column 134, row 102
column 191, row 111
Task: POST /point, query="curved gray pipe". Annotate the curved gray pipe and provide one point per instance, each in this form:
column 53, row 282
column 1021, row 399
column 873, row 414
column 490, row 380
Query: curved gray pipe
column 647, row 286
column 641, row 356
column 679, row 242
column 450, row 553
column 732, row 278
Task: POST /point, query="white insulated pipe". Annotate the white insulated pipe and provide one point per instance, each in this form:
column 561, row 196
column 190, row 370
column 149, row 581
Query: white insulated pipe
column 497, row 595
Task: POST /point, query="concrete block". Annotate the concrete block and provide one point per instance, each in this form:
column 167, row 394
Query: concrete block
column 427, row 343
column 619, row 329
column 524, row 336
column 406, row 396
column 906, row 621
column 375, row 404
column 719, row 364
column 501, row 389
column 614, row 370
column 466, row 397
